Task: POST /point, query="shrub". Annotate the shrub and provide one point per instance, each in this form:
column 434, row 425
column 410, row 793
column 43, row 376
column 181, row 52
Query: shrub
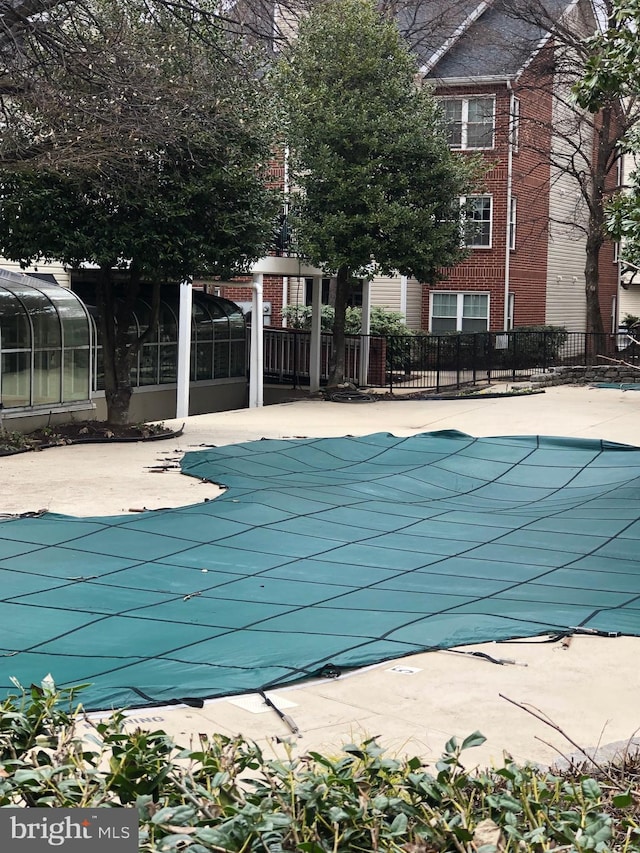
column 223, row 794
column 535, row 346
column 629, row 321
column 383, row 321
column 524, row 347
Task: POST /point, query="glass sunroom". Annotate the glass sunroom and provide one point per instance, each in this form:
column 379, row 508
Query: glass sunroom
column 218, row 341
column 45, row 344
column 51, row 355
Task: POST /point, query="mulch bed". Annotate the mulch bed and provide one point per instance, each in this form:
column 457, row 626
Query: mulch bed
column 82, row 432
column 475, row 393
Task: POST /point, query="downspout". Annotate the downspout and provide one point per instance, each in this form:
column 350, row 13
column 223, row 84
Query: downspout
column 507, row 252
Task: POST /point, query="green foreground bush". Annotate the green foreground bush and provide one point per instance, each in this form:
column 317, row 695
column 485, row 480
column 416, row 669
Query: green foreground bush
column 225, row 794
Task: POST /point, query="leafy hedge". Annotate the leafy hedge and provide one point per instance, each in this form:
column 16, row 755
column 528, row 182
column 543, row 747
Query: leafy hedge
column 524, row 347
column 223, row 794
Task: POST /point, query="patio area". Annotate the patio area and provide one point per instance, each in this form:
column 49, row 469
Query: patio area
column 586, row 685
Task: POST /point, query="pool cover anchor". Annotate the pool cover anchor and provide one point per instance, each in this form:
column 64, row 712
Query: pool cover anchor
column 284, row 717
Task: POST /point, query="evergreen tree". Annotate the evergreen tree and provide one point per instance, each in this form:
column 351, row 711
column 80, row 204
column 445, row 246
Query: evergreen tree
column 375, row 185
column 142, row 149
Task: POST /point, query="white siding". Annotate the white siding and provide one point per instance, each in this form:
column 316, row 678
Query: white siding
column 385, row 292
column 414, row 304
column 55, row 269
column 565, row 302
column 296, row 291
column 629, row 296
column 629, row 301
column 571, row 144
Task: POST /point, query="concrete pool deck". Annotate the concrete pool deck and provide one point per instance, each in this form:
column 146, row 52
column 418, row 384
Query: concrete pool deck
column 588, row 687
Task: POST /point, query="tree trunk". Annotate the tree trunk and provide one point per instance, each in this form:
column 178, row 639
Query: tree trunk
column 605, row 151
column 592, row 283
column 119, row 349
column 337, row 361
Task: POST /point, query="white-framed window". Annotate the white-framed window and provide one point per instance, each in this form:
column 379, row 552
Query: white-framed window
column 477, row 221
column 514, row 123
column 513, row 215
column 470, row 122
column 458, row 312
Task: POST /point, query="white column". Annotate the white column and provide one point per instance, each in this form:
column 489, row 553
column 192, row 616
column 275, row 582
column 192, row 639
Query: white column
column 315, row 354
column 365, row 330
column 256, row 368
column 184, row 350
column 403, row 296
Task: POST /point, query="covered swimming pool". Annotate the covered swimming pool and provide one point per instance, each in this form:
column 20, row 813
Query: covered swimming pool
column 325, row 554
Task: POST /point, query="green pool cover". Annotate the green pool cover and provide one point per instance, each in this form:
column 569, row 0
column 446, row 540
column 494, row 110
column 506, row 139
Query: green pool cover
column 330, row 552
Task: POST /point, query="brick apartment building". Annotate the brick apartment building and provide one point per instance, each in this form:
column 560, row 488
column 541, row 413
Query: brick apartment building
column 498, row 76
column 502, row 81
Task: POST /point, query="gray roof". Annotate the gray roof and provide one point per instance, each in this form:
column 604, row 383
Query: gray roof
column 466, row 39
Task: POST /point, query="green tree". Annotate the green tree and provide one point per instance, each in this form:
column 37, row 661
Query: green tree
column 552, row 41
column 375, row 179
column 623, row 216
column 142, row 152
column 613, row 75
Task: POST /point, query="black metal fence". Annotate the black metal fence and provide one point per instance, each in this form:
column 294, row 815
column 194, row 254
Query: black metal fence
column 437, row 361
column 287, row 356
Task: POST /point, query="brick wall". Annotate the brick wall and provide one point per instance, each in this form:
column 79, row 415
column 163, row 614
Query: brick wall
column 484, row 269
column 530, row 187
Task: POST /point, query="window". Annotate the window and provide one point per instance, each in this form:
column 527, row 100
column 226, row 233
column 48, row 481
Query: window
column 459, row 312
column 512, row 223
column 476, row 221
column 469, row 122
column 324, row 291
column 218, row 345
column 44, row 343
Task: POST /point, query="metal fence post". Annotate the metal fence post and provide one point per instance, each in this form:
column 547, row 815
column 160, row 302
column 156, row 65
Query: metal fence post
column 474, row 350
